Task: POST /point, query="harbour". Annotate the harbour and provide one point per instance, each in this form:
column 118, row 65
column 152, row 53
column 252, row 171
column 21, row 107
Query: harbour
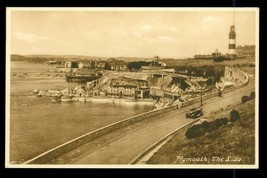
column 33, row 120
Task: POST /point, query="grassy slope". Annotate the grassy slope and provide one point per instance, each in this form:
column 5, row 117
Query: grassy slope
column 234, row 139
column 250, row 70
column 201, row 62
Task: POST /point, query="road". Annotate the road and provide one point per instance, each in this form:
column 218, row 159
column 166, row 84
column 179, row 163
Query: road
column 123, row 145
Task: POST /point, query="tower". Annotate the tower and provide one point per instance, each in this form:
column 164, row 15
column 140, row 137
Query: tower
column 232, row 44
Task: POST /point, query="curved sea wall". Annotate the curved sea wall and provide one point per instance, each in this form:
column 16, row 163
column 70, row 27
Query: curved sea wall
column 72, row 144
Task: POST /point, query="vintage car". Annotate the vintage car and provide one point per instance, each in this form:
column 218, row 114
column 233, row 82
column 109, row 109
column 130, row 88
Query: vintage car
column 194, row 113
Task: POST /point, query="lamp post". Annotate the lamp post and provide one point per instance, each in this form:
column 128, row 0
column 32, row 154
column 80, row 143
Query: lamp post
column 201, row 92
column 201, row 97
column 213, row 75
column 211, row 84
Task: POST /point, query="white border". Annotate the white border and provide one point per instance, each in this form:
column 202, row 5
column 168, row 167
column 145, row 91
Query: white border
column 257, row 58
column 8, row 41
column 127, row 9
column 221, row 166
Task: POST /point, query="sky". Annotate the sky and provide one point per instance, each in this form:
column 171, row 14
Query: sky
column 127, row 33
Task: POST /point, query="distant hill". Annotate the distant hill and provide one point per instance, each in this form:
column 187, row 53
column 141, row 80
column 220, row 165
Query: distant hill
column 65, row 57
column 16, row 57
column 84, row 57
column 130, row 59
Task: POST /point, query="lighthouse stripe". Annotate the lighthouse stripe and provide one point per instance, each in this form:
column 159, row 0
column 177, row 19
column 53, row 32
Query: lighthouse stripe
column 231, row 51
column 232, row 35
column 231, row 46
column 231, row 41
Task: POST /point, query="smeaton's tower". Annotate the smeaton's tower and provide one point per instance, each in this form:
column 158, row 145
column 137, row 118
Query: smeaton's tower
column 232, row 43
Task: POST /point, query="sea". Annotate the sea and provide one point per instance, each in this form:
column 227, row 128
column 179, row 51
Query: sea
column 35, row 124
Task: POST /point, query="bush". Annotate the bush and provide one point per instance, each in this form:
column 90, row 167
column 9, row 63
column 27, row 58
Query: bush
column 199, row 130
column 205, row 125
column 194, row 133
column 196, row 127
column 212, row 126
column 219, row 59
column 222, row 121
column 244, row 99
column 252, row 95
column 234, row 115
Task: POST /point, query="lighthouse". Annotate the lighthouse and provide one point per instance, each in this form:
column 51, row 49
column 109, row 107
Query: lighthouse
column 232, row 44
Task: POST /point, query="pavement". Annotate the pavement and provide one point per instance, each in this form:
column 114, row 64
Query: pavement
column 123, row 145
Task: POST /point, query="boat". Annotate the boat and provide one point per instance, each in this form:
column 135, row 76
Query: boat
column 36, row 91
column 24, row 105
column 41, row 93
column 56, row 99
column 66, row 98
column 79, row 98
column 54, row 92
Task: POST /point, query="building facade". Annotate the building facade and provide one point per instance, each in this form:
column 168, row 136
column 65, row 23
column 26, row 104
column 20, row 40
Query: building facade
column 216, row 53
column 124, row 87
column 246, row 51
column 203, row 56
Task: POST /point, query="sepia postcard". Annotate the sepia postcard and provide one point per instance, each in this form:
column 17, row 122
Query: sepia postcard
column 132, row 88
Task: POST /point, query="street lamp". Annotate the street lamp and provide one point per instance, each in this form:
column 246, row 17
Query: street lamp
column 201, row 97
column 212, row 83
column 201, row 92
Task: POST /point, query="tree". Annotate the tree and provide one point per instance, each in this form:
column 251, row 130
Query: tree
column 244, row 99
column 107, row 66
column 219, row 59
column 234, row 115
column 252, row 95
column 136, row 65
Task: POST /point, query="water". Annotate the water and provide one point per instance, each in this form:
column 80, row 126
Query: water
column 42, row 125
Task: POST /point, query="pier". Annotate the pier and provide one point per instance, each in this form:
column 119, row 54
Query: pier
column 81, row 78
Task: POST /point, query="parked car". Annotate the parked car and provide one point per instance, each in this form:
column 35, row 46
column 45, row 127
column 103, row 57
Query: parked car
column 195, row 113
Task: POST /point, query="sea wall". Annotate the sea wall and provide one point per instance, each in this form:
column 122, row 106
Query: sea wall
column 72, row 144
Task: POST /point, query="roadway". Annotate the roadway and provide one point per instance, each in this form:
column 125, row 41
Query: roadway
column 123, row 145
